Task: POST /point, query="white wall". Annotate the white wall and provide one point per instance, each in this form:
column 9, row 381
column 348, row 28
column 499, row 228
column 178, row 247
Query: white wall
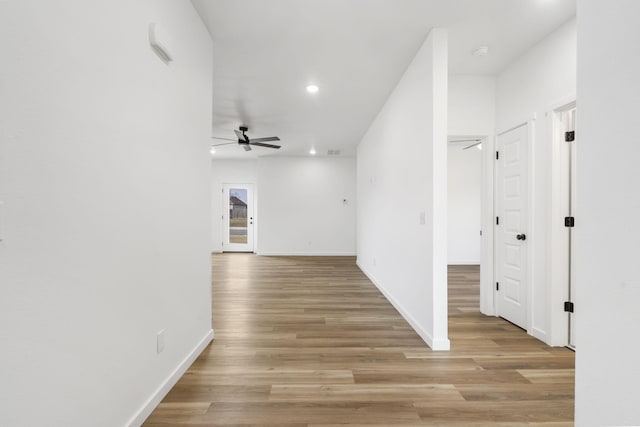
column 528, row 90
column 104, row 171
column 607, row 232
column 299, row 209
column 402, row 194
column 301, row 206
column 463, row 204
column 229, row 172
column 471, row 105
column 541, row 78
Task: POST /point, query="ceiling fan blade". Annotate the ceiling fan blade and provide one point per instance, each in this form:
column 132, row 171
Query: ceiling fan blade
column 453, row 141
column 246, row 146
column 472, row 145
column 260, row 144
column 241, row 136
column 224, row 139
column 267, row 139
column 224, row 143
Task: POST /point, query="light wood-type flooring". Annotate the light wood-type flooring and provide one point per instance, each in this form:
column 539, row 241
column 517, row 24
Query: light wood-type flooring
column 310, row 341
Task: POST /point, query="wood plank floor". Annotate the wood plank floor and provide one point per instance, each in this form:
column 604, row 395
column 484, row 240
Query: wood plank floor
column 309, row 341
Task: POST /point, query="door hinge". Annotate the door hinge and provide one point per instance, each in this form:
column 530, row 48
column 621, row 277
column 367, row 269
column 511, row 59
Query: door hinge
column 497, row 220
column 569, row 221
column 497, row 155
column 497, row 286
column 570, row 136
column 481, row 232
column 568, row 306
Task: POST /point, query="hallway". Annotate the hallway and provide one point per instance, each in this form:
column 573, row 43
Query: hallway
column 310, row 341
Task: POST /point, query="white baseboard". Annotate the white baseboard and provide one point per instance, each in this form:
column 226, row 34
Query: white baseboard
column 539, row 334
column 155, row 399
column 435, row 345
column 261, row 253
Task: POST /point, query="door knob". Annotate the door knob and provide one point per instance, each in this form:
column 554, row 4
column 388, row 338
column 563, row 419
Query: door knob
column 521, row 237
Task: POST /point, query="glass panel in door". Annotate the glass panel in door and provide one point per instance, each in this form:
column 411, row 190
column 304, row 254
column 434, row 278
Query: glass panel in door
column 238, row 217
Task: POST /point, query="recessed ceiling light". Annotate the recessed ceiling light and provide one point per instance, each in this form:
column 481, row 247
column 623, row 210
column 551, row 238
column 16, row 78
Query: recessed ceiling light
column 312, row 88
column 312, row 151
column 212, row 151
column 479, row 146
column 481, row 51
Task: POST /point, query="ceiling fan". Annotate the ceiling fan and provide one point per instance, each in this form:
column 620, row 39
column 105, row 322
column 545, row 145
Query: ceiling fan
column 475, row 141
column 247, row 142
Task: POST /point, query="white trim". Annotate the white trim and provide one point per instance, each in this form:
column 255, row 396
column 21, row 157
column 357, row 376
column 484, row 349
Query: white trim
column 559, row 238
column 531, row 231
column 487, row 270
column 276, row 253
column 563, row 103
column 152, row 402
column 435, row 345
column 537, row 333
column 464, row 262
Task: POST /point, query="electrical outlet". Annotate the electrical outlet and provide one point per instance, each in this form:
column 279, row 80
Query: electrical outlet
column 160, row 341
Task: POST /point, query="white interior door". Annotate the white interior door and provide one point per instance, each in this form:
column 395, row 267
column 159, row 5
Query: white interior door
column 238, row 218
column 511, row 226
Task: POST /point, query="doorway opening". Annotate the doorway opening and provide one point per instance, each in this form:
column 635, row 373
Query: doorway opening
column 464, row 211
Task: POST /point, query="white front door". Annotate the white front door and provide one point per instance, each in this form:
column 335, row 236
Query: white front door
column 511, row 226
column 238, row 218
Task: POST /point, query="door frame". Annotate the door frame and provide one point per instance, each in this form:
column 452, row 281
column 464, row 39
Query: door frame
column 251, row 212
column 559, row 291
column 529, row 275
column 557, row 325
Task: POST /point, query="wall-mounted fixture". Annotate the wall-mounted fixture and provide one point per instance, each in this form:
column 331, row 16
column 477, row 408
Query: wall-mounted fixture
column 312, row 151
column 160, row 42
column 312, row 88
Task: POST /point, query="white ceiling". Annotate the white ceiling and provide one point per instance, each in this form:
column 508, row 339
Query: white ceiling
column 266, row 51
